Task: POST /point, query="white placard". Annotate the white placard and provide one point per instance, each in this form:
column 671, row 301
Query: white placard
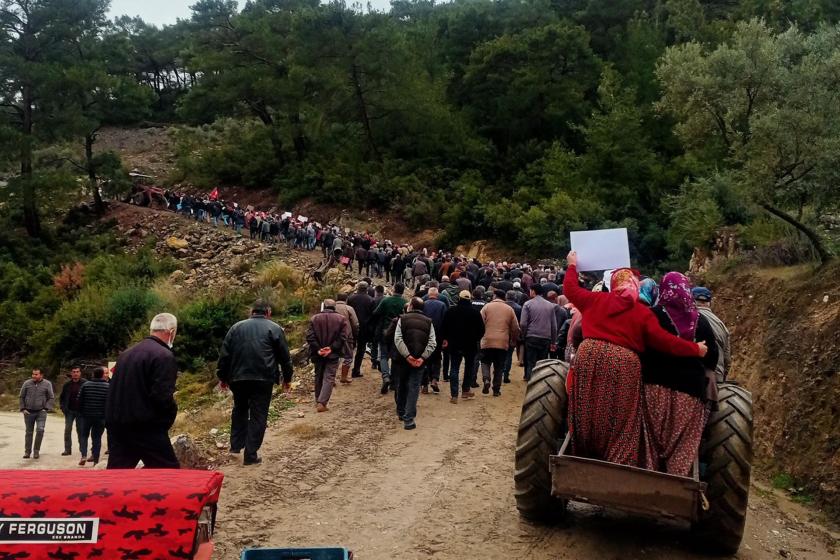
column 302, row 219
column 601, row 249
column 286, row 215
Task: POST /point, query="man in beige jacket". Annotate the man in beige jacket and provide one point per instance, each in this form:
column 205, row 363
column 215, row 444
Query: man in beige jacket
column 501, row 331
column 343, row 309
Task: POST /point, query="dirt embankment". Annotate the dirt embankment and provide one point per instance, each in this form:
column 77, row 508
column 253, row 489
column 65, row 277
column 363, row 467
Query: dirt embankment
column 785, row 327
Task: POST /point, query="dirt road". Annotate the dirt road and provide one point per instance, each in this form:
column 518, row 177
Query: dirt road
column 353, row 477
column 11, row 444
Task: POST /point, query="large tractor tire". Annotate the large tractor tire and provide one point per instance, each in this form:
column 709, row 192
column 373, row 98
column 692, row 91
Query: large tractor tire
column 726, row 454
column 542, row 429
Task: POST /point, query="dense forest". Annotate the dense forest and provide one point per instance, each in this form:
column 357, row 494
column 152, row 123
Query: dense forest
column 514, row 120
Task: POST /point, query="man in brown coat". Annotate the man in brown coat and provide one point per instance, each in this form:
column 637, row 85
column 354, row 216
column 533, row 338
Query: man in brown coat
column 327, row 336
column 343, row 309
column 501, row 331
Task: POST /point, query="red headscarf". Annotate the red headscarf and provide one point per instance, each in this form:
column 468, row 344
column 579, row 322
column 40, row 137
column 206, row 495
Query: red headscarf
column 624, row 291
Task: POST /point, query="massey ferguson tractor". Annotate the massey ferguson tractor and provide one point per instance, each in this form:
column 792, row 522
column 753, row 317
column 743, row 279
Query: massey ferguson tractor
column 141, row 514
column 713, row 501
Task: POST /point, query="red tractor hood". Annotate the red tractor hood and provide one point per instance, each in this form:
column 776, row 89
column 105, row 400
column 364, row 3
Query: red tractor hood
column 141, row 514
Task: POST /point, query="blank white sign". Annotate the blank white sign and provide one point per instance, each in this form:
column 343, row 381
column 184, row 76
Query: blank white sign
column 601, row 249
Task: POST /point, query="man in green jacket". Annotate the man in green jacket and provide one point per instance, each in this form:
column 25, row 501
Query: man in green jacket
column 388, row 309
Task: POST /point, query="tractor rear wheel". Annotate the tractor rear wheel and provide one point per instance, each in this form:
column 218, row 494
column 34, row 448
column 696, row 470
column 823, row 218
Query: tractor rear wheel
column 726, row 454
column 542, row 428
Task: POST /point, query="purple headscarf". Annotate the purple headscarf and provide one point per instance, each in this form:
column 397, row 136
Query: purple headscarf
column 675, row 296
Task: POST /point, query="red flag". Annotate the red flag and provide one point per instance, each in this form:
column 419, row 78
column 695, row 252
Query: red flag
column 215, row 194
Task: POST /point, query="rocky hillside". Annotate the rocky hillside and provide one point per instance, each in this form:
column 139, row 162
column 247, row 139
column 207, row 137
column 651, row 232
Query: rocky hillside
column 785, row 327
column 210, row 257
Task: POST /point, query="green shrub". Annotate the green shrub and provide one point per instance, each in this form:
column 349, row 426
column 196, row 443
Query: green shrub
column 99, row 322
column 229, row 151
column 695, row 216
column 202, row 326
column 116, row 270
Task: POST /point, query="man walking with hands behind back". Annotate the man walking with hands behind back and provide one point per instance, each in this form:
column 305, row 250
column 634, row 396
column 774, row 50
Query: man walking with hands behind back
column 328, row 336
column 248, row 363
column 141, row 407
column 414, row 340
column 36, row 399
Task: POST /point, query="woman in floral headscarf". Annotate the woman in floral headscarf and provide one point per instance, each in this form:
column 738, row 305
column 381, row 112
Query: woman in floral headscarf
column 675, row 406
column 605, row 383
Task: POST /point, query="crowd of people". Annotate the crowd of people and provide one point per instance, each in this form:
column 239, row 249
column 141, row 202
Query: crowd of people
column 645, row 359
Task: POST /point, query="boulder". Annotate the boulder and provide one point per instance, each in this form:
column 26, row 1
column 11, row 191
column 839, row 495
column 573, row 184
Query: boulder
column 176, row 243
column 188, row 453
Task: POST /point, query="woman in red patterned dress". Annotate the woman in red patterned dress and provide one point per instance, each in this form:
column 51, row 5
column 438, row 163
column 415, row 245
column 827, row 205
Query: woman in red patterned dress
column 675, row 403
column 605, row 382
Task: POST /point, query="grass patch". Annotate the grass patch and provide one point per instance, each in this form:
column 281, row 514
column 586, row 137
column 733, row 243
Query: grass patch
column 276, row 274
column 195, row 390
column 782, row 481
column 793, row 487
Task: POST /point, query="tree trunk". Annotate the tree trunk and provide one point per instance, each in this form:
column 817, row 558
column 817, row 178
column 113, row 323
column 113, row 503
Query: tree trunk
column 819, row 246
column 31, row 221
column 98, row 204
column 276, row 141
column 298, row 136
column 363, row 110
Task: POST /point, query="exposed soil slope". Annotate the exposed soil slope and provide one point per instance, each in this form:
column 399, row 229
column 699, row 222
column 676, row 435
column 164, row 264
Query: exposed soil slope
column 785, row 327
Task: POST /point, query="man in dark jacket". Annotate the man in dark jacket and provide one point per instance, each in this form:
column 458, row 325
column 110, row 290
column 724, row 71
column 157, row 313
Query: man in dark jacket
column 69, row 402
column 328, row 336
column 414, row 341
column 463, row 329
column 364, row 306
column 92, row 400
column 434, row 309
column 141, row 407
column 248, row 362
column 388, row 309
column 511, row 301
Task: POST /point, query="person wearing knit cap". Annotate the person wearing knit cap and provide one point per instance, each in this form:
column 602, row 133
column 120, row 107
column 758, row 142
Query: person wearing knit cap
column 703, row 299
column 463, row 329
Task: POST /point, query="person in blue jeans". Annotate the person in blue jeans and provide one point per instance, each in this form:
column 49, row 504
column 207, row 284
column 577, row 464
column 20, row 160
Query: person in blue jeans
column 414, row 343
column 92, row 399
column 463, row 329
column 388, row 309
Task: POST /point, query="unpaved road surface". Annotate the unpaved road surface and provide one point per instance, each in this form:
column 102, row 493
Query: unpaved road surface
column 353, row 477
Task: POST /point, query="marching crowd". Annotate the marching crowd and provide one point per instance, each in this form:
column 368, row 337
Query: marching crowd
column 645, row 359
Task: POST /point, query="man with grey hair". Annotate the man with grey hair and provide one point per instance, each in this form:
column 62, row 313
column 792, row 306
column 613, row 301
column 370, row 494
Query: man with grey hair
column 327, row 337
column 249, row 359
column 141, row 407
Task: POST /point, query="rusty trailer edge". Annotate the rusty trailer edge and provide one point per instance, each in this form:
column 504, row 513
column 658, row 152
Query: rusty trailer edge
column 631, row 489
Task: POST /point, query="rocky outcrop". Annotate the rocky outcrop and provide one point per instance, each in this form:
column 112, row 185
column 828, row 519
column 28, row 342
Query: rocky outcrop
column 209, row 256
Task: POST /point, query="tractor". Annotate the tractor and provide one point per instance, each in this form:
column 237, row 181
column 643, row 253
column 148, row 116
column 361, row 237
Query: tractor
column 712, row 501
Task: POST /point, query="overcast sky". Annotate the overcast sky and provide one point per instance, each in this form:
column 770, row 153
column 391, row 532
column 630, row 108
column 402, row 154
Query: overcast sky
column 162, row 12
